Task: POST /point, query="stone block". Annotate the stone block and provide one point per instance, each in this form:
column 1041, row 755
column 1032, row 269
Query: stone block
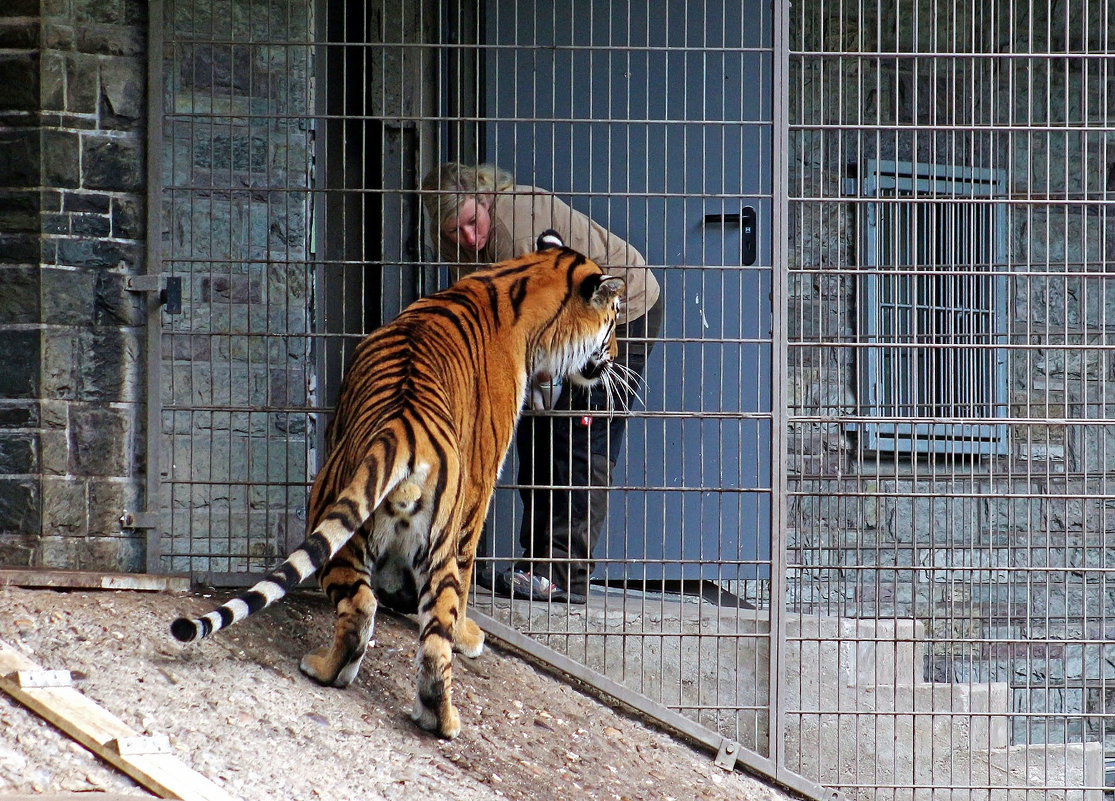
column 222, row 69
column 57, row 36
column 16, row 551
column 16, row 33
column 90, row 225
column 56, row 224
column 127, row 218
column 121, row 553
column 86, row 202
column 90, row 364
column 231, row 289
column 19, row 295
column 19, row 454
column 19, row 81
column 100, row 441
column 55, row 458
column 67, row 296
column 61, row 154
column 65, row 507
column 19, row 158
column 21, row 415
column 108, row 370
column 50, row 199
column 55, row 415
column 96, row 253
column 19, row 210
column 82, row 89
column 20, row 248
column 135, row 13
column 53, row 77
column 123, row 88
column 114, row 305
column 104, row 40
column 19, row 506
column 19, row 361
column 24, row 8
column 96, row 12
column 113, row 163
column 108, row 498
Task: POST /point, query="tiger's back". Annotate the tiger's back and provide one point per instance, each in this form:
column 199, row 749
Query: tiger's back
column 423, row 422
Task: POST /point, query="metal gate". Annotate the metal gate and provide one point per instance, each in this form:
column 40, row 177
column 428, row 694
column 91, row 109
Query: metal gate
column 295, row 136
column 857, row 535
column 949, row 527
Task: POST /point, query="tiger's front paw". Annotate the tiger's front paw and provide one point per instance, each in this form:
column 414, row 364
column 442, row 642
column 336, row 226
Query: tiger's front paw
column 325, row 668
column 468, row 639
column 447, row 725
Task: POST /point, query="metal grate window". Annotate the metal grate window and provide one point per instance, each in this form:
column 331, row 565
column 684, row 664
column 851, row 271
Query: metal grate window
column 932, row 307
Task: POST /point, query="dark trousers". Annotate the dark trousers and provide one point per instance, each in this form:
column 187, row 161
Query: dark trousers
column 566, row 459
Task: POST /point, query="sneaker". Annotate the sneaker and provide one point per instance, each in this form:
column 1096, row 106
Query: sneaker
column 523, row 584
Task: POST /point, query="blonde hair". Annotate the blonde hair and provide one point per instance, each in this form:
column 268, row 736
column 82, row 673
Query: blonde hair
column 448, row 185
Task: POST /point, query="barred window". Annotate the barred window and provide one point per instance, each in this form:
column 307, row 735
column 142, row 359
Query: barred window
column 932, row 309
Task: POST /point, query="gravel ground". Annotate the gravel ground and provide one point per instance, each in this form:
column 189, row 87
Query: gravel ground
column 237, row 710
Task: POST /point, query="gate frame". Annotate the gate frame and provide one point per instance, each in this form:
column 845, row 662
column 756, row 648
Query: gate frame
column 729, row 754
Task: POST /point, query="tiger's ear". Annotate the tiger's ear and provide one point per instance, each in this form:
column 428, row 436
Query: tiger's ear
column 549, row 239
column 601, row 291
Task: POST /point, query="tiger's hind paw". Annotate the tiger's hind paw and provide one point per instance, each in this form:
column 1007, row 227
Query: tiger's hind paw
column 428, row 719
column 320, row 666
column 468, row 639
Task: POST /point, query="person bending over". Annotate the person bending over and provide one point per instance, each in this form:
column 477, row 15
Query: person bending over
column 478, row 217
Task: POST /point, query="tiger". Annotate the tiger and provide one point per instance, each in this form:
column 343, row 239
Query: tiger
column 423, row 422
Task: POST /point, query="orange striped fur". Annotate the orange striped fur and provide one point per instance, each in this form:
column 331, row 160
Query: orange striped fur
column 425, row 417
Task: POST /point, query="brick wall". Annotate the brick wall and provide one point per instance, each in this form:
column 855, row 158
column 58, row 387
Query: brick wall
column 72, row 129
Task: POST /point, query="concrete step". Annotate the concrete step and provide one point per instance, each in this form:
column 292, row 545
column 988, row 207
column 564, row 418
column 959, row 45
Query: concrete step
column 897, row 726
column 1014, row 773
column 887, row 734
column 859, row 715
column 824, row 654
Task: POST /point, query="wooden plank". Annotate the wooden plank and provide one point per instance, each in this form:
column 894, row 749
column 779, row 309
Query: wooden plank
column 35, row 578
column 91, row 795
column 103, row 733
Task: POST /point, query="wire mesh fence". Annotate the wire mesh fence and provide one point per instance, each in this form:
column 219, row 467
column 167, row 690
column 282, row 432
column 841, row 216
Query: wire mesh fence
column 950, row 200
column 932, row 459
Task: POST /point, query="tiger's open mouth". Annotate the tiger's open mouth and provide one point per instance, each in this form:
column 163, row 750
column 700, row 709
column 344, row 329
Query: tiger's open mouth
column 594, row 370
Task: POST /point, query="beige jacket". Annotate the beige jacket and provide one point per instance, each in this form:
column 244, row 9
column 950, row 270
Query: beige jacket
column 521, row 213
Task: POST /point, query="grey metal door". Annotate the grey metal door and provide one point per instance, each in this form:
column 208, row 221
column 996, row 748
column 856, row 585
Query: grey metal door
column 655, row 119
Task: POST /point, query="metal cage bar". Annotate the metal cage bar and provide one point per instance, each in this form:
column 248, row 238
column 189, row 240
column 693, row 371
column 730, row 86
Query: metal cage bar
column 962, row 589
column 293, row 139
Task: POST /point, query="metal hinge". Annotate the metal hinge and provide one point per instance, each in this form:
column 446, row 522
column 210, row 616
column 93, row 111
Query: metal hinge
column 170, row 294
column 138, row 520
column 726, row 757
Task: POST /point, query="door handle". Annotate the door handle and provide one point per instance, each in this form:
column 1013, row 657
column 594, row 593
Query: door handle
column 746, row 220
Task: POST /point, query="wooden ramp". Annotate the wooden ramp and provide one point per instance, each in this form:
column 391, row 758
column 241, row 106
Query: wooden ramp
column 148, row 760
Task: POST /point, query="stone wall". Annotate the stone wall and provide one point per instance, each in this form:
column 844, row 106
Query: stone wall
column 993, row 550
column 238, row 368
column 72, row 128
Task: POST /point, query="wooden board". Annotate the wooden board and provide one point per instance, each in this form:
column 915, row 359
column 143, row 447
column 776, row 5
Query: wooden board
column 102, row 732
column 90, row 580
column 78, row 796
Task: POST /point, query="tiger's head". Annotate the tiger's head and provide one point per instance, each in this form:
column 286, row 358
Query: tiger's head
column 581, row 344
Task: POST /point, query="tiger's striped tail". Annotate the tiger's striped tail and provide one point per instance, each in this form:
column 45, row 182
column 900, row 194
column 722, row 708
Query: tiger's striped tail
column 339, row 522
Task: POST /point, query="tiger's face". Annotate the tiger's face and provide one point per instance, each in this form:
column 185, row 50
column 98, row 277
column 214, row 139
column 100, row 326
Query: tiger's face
column 605, row 295
column 581, row 344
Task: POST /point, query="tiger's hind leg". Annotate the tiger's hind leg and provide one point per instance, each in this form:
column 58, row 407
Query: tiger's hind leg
column 345, row 581
column 433, row 702
column 468, row 639
column 437, row 624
